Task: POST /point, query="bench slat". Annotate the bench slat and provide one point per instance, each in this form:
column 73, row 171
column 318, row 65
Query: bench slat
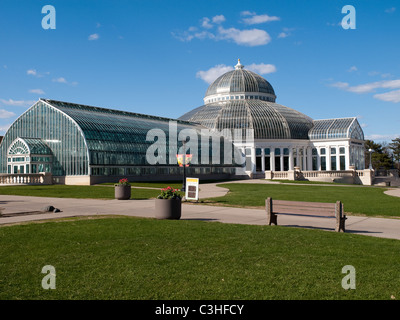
column 329, row 212
column 304, row 204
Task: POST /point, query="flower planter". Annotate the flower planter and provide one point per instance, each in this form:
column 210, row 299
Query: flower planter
column 168, row 209
column 122, row 192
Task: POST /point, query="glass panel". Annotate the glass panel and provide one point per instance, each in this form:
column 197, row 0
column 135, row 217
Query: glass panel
column 323, row 163
column 342, row 163
column 267, row 163
column 277, row 163
column 286, row 151
column 333, row 163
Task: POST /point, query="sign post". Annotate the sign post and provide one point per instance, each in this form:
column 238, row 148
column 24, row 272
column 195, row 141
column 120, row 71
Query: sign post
column 192, row 189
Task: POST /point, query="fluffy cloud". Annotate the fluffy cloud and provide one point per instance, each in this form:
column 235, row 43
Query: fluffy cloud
column 368, row 87
column 4, row 114
column 251, row 38
column 213, row 73
column 60, row 80
column 218, row 19
column 17, row 103
column 261, row 68
column 391, row 96
column 390, row 10
column 383, row 137
column 31, row 72
column 37, row 91
column 93, row 36
column 247, row 37
column 256, row 19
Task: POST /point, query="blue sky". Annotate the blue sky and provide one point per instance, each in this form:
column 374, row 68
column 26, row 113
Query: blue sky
column 159, row 56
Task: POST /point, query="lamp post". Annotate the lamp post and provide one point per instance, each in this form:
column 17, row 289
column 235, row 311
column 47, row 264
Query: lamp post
column 370, row 159
column 184, row 166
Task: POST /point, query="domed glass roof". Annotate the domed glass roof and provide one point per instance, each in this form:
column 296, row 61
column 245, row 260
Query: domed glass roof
column 268, row 120
column 241, row 99
column 239, row 81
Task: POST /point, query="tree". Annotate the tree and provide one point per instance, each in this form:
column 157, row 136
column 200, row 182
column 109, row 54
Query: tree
column 380, row 156
column 395, row 147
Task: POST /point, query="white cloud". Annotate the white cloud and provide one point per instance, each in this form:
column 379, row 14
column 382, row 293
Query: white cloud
column 251, row 38
column 261, row 68
column 257, row 19
column 4, row 114
column 213, row 73
column 218, row 19
column 205, row 23
column 368, row 87
column 391, row 96
column 283, row 35
column 384, row 137
column 340, row 85
column 31, row 72
column 60, row 80
column 17, row 103
column 94, row 36
column 37, row 91
column 390, row 10
column 353, row 68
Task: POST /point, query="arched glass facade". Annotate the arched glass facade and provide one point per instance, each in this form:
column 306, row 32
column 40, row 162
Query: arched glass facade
column 58, row 131
column 85, row 140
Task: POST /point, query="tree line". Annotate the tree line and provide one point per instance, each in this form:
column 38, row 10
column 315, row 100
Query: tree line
column 384, row 155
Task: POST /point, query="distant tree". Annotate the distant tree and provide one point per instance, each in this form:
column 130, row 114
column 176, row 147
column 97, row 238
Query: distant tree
column 395, row 147
column 380, row 155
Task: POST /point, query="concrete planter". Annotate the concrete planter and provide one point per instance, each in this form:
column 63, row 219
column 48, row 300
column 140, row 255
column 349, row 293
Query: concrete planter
column 122, row 192
column 168, row 209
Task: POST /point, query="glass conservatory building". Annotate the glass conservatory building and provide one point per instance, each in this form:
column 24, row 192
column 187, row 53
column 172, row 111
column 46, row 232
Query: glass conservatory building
column 284, row 139
column 80, row 144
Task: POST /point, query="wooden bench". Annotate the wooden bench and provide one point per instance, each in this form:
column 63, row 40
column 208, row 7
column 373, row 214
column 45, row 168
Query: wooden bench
column 309, row 209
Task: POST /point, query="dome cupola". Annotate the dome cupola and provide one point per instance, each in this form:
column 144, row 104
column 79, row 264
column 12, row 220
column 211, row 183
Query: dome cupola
column 239, row 84
column 242, row 99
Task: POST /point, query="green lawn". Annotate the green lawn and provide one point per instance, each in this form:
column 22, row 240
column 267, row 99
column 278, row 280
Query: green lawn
column 357, row 200
column 82, row 192
column 134, row 258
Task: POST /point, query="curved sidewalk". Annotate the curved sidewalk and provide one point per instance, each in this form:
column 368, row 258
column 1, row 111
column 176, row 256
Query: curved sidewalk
column 378, row 227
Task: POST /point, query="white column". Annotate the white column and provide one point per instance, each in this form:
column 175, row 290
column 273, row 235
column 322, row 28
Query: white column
column 263, row 159
column 272, row 157
column 328, row 158
column 347, row 157
column 253, row 159
column 281, row 159
column 304, row 159
column 319, row 159
column 291, row 166
column 309, row 158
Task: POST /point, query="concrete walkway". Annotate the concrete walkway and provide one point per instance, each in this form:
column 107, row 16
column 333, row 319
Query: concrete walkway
column 377, row 227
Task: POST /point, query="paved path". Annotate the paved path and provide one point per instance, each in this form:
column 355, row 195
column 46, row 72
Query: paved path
column 378, row 227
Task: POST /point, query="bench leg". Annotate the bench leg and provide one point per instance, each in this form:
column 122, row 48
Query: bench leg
column 272, row 218
column 340, row 217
